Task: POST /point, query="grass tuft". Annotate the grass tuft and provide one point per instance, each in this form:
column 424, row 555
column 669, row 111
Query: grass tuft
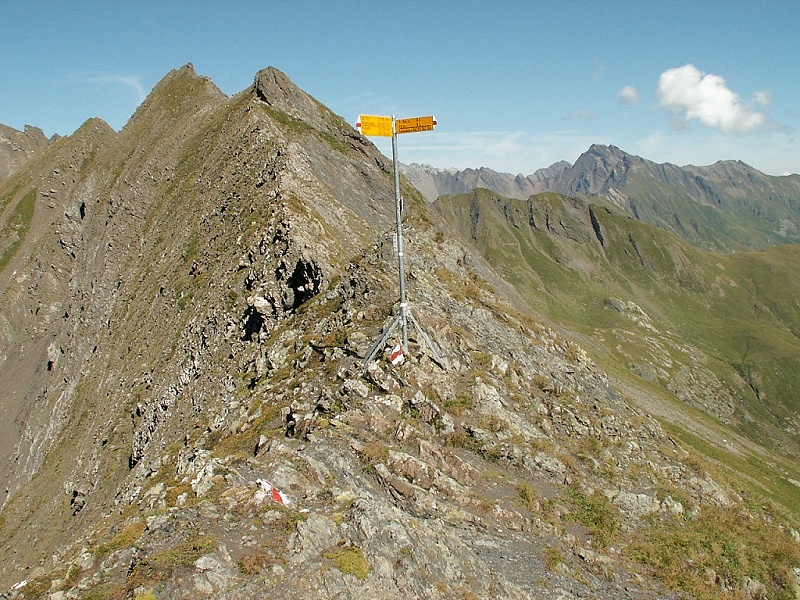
column 161, row 565
column 349, row 560
column 595, row 512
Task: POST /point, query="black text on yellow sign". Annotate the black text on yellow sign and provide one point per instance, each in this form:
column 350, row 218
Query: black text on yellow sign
column 415, row 124
column 374, row 125
column 382, row 126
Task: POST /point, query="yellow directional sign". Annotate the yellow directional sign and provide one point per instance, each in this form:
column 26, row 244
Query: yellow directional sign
column 415, row 124
column 374, row 125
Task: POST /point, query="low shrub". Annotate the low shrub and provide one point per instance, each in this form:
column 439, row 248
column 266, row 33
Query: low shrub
column 528, row 497
column 595, row 512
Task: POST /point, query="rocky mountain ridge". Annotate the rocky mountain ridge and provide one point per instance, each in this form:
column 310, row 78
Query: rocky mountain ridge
column 17, row 147
column 185, row 307
column 433, row 182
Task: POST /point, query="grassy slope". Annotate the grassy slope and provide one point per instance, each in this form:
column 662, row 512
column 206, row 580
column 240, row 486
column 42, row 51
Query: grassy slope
column 744, row 223
column 738, row 310
column 734, row 314
column 730, row 314
column 15, row 227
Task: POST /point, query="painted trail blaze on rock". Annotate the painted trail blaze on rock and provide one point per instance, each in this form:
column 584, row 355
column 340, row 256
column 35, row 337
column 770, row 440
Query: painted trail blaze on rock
column 397, row 357
column 270, row 490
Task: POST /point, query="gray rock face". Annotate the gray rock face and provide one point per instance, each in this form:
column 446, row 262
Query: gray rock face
column 17, row 147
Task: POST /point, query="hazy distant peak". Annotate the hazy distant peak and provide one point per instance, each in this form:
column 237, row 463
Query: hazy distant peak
column 552, row 171
column 421, row 167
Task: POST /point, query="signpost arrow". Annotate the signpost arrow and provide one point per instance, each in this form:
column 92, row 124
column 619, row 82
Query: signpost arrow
column 375, row 125
column 415, row 124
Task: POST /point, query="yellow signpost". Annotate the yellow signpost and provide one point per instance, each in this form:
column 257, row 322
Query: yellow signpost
column 375, row 125
column 415, row 124
column 390, row 127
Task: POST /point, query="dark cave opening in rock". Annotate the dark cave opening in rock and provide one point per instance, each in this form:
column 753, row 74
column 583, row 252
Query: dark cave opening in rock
column 305, row 281
column 253, row 323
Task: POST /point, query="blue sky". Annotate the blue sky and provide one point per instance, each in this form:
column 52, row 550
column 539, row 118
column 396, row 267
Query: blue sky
column 515, row 85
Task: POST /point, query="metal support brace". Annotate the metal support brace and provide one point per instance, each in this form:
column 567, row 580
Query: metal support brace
column 379, row 344
column 388, row 332
column 428, row 341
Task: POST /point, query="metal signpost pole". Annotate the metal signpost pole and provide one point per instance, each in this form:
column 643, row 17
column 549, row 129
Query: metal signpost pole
column 398, row 207
column 386, row 127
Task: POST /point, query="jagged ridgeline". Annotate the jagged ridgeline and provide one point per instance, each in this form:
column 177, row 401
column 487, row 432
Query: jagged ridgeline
column 727, row 206
column 17, row 147
column 184, row 308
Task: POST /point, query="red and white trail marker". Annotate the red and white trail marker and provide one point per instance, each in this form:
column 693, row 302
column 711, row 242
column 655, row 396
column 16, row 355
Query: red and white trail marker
column 267, row 490
column 397, row 357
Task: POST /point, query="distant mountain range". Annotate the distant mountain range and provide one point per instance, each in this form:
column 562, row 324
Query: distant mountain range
column 725, row 206
column 433, row 182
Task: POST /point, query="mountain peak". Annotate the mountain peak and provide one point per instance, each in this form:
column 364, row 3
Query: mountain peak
column 275, row 89
column 604, row 149
column 273, row 85
column 182, row 74
column 610, row 154
column 16, row 147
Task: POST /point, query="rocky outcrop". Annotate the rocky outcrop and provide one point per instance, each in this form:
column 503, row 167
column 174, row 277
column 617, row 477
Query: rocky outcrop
column 18, row 147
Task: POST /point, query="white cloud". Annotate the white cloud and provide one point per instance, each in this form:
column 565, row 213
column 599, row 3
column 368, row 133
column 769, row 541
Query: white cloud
column 628, row 95
column 115, row 79
column 763, row 97
column 578, row 113
column 692, row 94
